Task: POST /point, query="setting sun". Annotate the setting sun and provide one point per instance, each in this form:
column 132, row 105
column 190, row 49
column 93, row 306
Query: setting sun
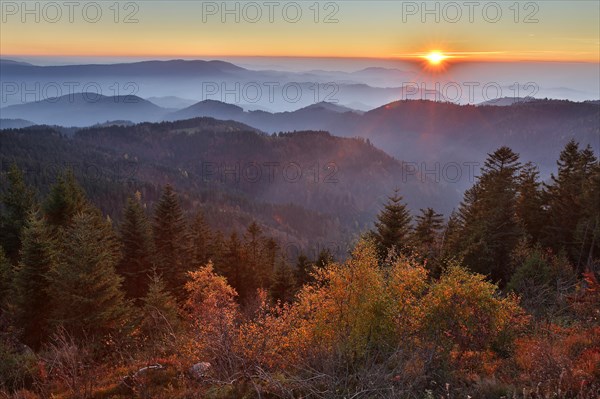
column 435, row 57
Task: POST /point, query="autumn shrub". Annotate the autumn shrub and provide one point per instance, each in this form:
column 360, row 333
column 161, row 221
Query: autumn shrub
column 468, row 322
column 18, row 367
column 213, row 314
column 560, row 360
column 542, row 280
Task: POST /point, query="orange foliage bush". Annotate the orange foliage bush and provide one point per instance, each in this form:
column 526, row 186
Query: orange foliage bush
column 561, row 359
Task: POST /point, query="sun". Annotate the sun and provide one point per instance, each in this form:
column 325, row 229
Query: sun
column 435, row 57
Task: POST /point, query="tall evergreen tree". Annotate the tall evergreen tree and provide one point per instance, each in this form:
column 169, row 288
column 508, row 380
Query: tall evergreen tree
column 393, row 226
column 6, row 278
column 303, row 268
column 17, row 201
column 233, row 268
column 170, row 241
column 200, row 236
column 489, row 228
column 427, row 229
column 159, row 317
column 30, row 296
column 65, row 200
column 84, row 286
column 565, row 197
column 530, row 202
column 137, row 245
column 284, row 283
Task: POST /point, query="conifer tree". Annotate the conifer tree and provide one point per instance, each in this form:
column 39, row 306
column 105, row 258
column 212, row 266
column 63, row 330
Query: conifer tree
column 6, row 278
column 200, row 236
column 303, row 269
column 65, row 200
column 489, row 228
column 284, row 283
column 170, row 241
column 137, row 250
column 566, row 200
column 17, row 201
column 393, row 225
column 160, row 315
column 233, row 267
column 529, row 206
column 429, row 224
column 30, row 296
column 324, row 258
column 84, row 287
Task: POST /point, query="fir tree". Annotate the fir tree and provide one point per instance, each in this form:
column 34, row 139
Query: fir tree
column 6, row 278
column 303, row 270
column 85, row 288
column 17, row 200
column 137, row 250
column 65, row 200
column 489, row 228
column 284, row 283
column 566, row 200
column 170, row 241
column 392, row 228
column 529, row 206
column 200, row 236
column 160, row 316
column 429, row 224
column 233, row 268
column 30, row 295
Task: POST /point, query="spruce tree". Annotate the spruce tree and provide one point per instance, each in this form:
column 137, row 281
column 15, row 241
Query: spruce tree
column 393, row 226
column 30, row 285
column 284, row 283
column 17, row 201
column 65, row 200
column 233, row 268
column 489, row 228
column 84, row 287
column 429, row 224
column 137, row 250
column 6, row 278
column 200, row 236
column 170, row 241
column 529, row 206
column 303, row 270
column 566, row 201
column 160, row 316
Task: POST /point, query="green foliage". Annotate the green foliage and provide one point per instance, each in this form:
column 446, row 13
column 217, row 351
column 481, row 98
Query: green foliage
column 489, row 229
column 65, row 200
column 137, row 258
column 6, row 277
column 571, row 206
column 30, row 286
column 18, row 366
column 160, row 322
column 542, row 280
column 84, row 288
column 17, row 201
column 530, row 202
column 200, row 236
column 284, row 283
column 170, row 241
column 393, row 226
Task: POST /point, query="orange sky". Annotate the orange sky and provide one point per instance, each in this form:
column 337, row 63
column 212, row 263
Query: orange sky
column 544, row 30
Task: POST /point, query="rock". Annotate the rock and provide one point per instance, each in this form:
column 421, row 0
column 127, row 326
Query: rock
column 200, row 370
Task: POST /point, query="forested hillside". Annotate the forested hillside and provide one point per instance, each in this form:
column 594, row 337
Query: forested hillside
column 169, row 291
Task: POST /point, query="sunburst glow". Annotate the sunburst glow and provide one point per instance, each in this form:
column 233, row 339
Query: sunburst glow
column 435, row 57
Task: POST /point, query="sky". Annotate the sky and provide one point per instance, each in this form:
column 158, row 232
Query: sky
column 558, row 31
